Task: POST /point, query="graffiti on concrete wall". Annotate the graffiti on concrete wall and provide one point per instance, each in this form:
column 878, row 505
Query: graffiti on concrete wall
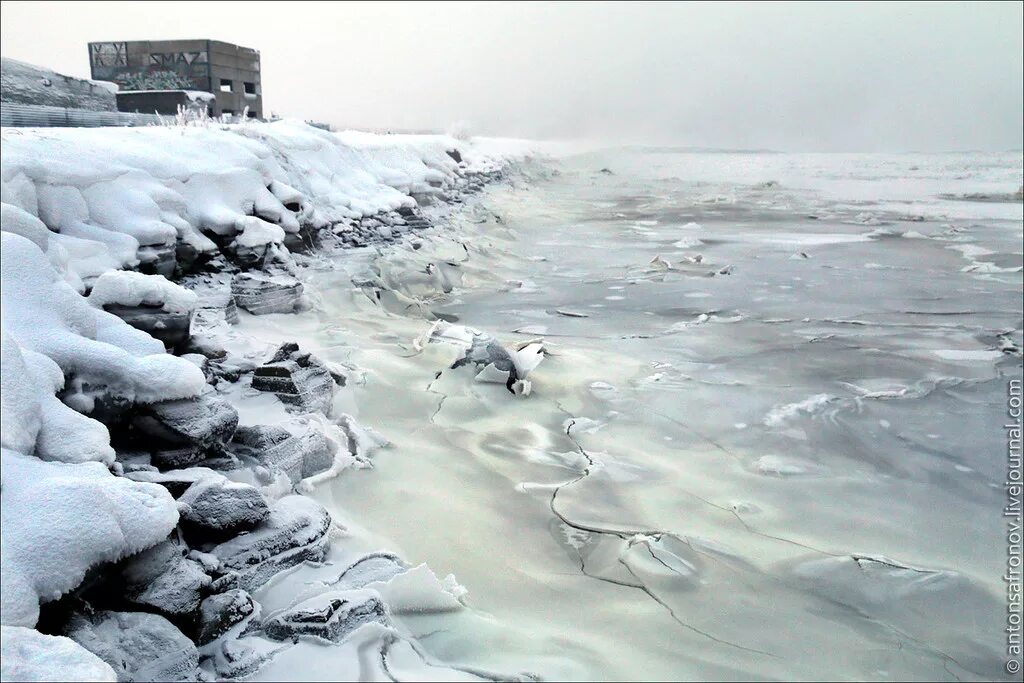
column 154, row 80
column 141, row 70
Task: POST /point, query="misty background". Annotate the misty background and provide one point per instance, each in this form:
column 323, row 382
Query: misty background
column 786, row 76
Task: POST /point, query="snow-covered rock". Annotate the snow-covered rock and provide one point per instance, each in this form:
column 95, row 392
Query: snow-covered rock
column 218, row 505
column 147, row 197
column 150, row 303
column 182, row 432
column 34, row 421
column 98, row 351
column 264, row 294
column 61, row 519
column 138, row 646
column 295, row 531
column 28, row 655
column 330, row 616
column 221, row 612
column 297, row 448
column 297, row 378
column 162, row 578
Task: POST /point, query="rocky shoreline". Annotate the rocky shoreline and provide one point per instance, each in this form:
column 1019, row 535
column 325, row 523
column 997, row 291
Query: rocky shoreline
column 179, row 609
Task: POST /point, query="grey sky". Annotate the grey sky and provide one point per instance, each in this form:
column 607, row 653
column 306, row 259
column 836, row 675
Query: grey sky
column 782, row 76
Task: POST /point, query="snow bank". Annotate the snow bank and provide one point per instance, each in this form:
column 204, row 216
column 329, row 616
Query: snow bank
column 28, row 84
column 31, row 656
column 96, row 350
column 61, row 519
column 123, row 197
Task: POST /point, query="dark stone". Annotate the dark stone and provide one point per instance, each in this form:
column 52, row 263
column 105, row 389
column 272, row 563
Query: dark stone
column 138, row 646
column 218, row 505
column 296, row 531
column 157, row 259
column 331, row 616
column 172, row 328
column 455, row 155
column 162, row 578
column 304, row 241
column 182, row 431
column 262, row 294
column 277, row 449
column 219, row 613
column 297, row 378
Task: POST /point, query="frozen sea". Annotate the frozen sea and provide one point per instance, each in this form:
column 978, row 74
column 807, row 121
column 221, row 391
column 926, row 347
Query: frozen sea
column 766, row 441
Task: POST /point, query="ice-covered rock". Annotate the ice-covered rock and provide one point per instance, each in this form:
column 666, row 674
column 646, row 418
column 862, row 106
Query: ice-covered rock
column 297, row 448
column 59, row 520
column 297, row 378
column 221, row 612
column 182, row 432
column 138, row 646
column 330, row 616
column 218, row 505
column 29, row 655
column 295, row 531
column 264, row 294
column 162, row 578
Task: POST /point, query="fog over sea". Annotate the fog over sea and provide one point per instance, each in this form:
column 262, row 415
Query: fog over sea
column 766, row 440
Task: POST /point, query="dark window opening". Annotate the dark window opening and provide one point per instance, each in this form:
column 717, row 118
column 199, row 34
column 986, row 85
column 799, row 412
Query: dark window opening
column 225, row 85
column 229, row 112
column 251, row 114
column 250, row 88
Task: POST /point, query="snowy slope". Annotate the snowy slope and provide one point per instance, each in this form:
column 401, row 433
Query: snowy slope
column 30, row 84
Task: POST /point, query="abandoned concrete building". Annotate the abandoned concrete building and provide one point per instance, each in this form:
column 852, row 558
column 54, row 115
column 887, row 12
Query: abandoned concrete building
column 150, row 72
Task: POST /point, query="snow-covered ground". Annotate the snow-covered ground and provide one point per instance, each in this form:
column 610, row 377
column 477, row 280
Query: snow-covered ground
column 95, row 221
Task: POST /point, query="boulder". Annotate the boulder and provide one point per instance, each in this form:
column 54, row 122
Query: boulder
column 219, row 613
column 138, row 646
column 298, row 455
column 330, row 616
column 296, row 531
column 221, row 506
column 298, row 378
column 305, row 240
column 162, row 578
column 170, row 327
column 183, row 431
column 158, row 259
column 233, row 660
column 263, row 294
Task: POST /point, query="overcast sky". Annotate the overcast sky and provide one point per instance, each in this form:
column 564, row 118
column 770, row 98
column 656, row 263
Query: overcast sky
column 886, row 77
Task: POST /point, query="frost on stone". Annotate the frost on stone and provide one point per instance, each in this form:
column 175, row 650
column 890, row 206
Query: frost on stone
column 138, row 646
column 61, row 519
